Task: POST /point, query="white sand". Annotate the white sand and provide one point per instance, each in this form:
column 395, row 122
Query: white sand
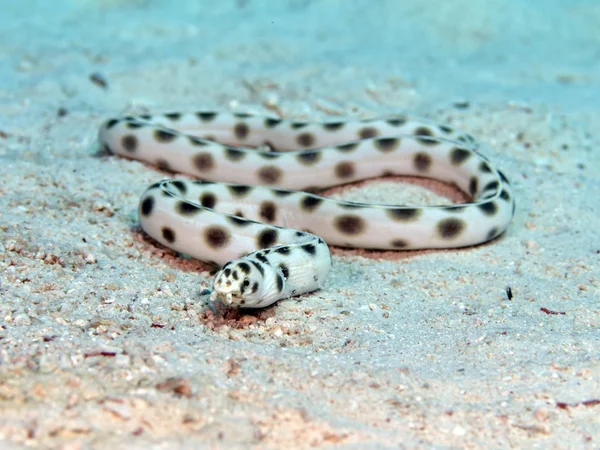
column 419, row 349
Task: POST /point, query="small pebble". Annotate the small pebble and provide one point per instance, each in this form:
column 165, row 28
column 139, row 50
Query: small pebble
column 459, row 431
column 541, row 414
column 99, row 80
column 22, row 319
column 89, row 258
column 177, row 385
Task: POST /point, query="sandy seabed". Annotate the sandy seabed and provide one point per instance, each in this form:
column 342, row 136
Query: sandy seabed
column 105, row 340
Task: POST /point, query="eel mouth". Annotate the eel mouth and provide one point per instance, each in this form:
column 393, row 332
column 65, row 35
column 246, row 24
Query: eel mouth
column 228, row 298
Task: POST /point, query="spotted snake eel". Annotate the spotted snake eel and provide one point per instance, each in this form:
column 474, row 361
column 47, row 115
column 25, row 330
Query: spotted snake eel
column 255, row 214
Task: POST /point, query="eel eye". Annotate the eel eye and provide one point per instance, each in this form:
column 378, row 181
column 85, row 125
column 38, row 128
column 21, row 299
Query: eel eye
column 246, row 282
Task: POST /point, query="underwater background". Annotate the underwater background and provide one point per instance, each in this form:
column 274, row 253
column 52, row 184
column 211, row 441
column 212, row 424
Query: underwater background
column 105, row 340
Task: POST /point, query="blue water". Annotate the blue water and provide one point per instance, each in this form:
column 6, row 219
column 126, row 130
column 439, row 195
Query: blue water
column 545, row 51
